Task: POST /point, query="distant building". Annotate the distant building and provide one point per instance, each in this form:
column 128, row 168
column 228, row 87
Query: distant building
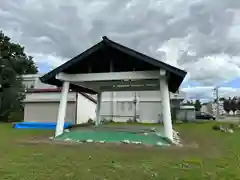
column 186, row 113
column 211, row 107
column 42, row 101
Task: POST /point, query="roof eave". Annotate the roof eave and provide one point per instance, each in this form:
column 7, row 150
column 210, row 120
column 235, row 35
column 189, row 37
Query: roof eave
column 49, row 78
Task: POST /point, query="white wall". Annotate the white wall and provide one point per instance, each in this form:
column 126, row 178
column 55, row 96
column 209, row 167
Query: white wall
column 150, row 112
column 47, row 112
column 48, row 97
column 142, row 95
column 86, row 109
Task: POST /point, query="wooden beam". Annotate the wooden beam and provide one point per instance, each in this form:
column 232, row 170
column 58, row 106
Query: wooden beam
column 114, row 83
column 133, row 88
column 87, row 85
column 111, row 76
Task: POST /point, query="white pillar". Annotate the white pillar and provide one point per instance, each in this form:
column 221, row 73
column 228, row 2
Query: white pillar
column 166, row 109
column 99, row 100
column 62, row 109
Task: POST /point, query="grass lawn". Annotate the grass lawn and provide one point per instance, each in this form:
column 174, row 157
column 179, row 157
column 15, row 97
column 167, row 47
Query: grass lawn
column 218, row 157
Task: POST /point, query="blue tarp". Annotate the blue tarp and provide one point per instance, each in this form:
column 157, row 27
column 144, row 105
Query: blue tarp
column 39, row 125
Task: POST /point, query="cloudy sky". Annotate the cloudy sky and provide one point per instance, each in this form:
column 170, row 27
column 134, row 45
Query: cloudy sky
column 200, row 36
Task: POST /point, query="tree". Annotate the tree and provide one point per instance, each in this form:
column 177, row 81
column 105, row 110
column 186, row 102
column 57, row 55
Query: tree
column 13, row 64
column 197, row 105
column 233, row 105
column 227, row 105
column 238, row 103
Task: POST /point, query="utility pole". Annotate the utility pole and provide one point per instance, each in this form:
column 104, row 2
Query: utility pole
column 217, row 101
column 135, row 106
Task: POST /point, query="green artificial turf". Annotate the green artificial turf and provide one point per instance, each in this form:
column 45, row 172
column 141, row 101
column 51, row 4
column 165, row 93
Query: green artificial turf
column 113, row 137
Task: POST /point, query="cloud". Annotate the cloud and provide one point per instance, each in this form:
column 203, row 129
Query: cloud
column 225, row 69
column 200, row 36
column 52, row 60
column 208, row 93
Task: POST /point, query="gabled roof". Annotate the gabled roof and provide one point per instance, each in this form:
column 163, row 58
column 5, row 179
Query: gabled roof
column 108, row 49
